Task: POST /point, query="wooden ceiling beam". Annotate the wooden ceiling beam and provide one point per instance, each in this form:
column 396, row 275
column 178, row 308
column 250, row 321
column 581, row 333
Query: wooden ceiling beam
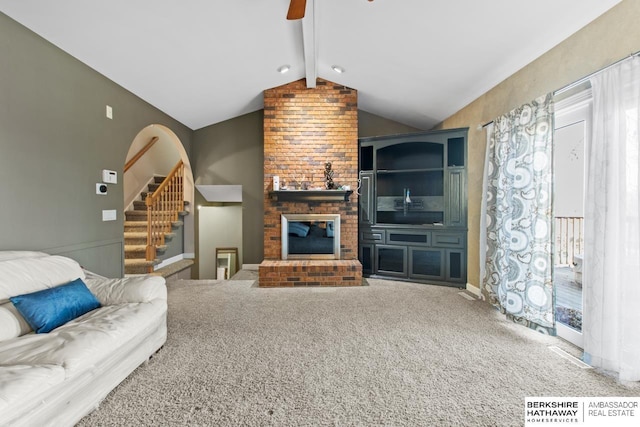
column 310, row 45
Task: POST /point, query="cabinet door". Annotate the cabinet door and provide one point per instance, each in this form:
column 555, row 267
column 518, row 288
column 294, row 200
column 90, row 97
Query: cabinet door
column 456, row 210
column 445, row 239
column 366, row 258
column 456, row 266
column 409, row 236
column 426, row 263
column 366, row 198
column 391, row 260
column 372, row 235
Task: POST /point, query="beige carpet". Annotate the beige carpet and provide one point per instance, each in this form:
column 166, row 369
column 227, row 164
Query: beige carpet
column 392, row 353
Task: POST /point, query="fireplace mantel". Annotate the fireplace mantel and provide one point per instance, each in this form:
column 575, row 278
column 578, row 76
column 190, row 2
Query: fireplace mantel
column 311, row 195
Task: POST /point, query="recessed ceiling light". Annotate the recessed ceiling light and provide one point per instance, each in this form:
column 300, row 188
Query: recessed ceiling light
column 338, row 69
column 284, row 68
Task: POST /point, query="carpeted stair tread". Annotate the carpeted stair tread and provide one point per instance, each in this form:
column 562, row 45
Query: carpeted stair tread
column 135, row 215
column 135, row 231
column 138, row 265
column 130, row 237
column 135, row 234
column 141, row 215
column 142, row 225
column 173, row 268
column 135, row 226
column 139, row 206
column 140, row 262
column 135, row 238
column 140, row 251
column 144, row 194
column 143, row 247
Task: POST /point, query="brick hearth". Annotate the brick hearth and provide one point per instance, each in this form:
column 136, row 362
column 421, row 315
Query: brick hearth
column 303, row 129
column 310, row 273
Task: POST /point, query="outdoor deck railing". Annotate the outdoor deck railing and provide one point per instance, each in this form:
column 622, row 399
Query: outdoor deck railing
column 569, row 239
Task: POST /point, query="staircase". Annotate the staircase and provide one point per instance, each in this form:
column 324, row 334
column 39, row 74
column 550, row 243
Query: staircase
column 136, row 234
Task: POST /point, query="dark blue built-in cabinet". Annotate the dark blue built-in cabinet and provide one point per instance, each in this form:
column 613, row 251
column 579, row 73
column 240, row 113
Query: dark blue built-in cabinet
column 413, row 207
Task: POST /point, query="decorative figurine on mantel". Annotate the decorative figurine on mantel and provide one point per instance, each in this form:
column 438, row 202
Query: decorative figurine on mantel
column 328, row 176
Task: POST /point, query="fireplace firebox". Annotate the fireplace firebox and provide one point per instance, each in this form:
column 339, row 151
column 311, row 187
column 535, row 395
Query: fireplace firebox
column 310, row 236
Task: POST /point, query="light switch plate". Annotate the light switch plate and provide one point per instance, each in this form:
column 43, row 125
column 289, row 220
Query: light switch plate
column 109, row 215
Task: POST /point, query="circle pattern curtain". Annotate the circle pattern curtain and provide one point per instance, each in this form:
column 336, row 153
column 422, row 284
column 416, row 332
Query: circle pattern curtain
column 519, row 215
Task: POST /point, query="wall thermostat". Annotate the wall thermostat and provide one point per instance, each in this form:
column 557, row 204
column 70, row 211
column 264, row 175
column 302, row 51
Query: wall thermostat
column 110, row 177
column 101, row 188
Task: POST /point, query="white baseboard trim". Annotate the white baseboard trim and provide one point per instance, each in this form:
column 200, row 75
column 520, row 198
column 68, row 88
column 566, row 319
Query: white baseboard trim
column 250, row 266
column 475, row 290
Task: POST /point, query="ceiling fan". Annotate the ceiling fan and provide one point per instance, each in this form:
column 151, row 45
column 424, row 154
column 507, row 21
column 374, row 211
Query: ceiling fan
column 296, row 9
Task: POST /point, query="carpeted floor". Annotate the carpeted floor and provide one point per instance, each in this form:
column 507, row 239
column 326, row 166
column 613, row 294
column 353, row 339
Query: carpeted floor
column 392, row 353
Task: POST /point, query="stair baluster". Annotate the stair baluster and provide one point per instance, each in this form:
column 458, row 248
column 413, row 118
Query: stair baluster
column 163, row 208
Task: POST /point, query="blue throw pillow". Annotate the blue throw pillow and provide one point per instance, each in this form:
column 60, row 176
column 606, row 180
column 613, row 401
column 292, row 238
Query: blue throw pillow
column 47, row 309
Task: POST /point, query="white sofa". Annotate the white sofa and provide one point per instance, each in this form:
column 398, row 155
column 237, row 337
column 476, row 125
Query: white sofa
column 56, row 378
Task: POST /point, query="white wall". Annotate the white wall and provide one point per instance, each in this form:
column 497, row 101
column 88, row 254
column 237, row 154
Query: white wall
column 158, row 161
column 568, row 146
column 218, row 227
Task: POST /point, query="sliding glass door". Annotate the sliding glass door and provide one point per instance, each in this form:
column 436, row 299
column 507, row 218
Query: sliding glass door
column 572, row 128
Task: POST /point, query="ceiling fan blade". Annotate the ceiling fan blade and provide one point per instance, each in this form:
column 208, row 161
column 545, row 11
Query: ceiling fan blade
column 296, row 9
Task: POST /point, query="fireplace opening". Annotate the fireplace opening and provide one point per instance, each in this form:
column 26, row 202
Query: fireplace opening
column 310, row 236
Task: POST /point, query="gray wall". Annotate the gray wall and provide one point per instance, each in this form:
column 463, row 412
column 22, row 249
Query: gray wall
column 372, row 125
column 232, row 152
column 54, row 142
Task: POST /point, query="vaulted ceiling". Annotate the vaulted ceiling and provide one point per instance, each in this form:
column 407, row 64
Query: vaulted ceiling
column 206, row 61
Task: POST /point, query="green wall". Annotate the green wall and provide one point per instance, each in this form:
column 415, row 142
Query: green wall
column 54, row 142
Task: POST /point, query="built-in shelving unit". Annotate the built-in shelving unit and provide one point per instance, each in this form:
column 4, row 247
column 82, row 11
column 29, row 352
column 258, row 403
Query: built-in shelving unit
column 413, row 206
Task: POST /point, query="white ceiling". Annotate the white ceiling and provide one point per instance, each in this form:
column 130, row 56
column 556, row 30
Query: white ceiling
column 205, row 61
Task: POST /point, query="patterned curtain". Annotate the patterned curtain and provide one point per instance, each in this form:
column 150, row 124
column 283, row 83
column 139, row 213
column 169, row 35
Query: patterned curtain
column 519, row 216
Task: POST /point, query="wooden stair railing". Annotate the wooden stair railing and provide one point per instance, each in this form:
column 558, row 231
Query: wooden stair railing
column 163, row 208
column 140, row 153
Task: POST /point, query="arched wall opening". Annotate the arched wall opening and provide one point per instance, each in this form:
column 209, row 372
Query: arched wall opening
column 159, row 161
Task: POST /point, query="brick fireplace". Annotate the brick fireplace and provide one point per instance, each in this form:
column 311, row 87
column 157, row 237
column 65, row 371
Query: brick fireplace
column 303, row 129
